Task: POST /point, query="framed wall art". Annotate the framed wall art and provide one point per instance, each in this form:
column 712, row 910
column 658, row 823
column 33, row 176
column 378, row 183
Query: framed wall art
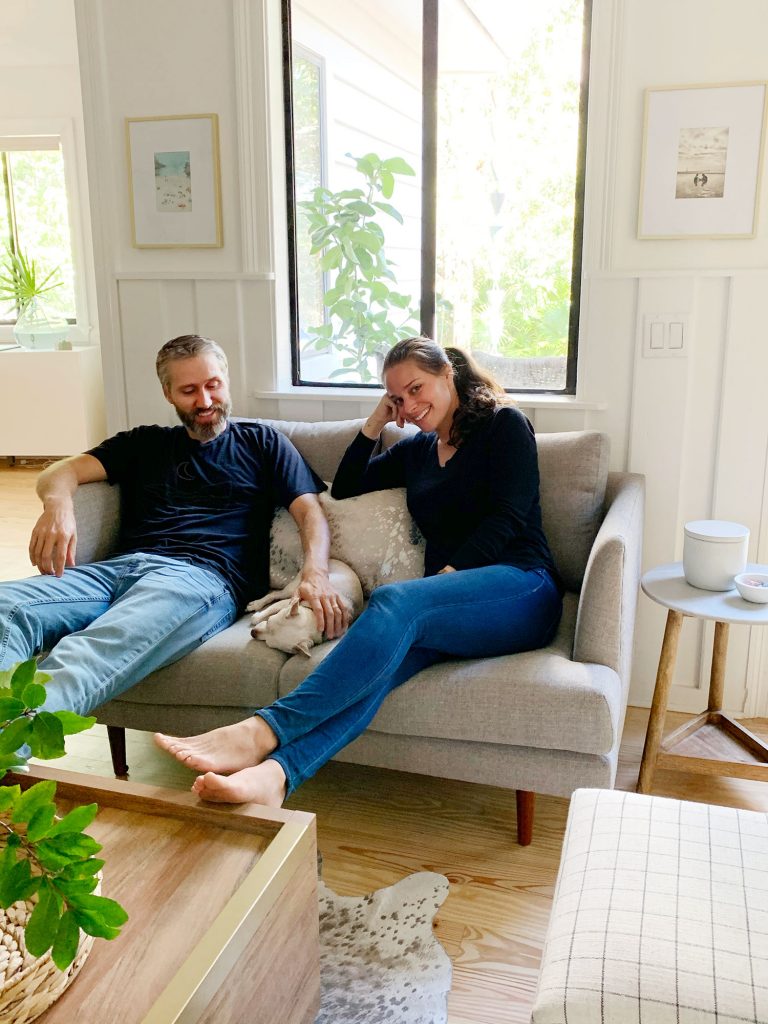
column 174, row 181
column 702, row 158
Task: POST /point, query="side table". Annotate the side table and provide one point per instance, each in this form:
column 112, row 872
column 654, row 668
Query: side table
column 712, row 743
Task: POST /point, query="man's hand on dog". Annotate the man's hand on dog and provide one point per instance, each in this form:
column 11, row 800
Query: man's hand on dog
column 331, row 615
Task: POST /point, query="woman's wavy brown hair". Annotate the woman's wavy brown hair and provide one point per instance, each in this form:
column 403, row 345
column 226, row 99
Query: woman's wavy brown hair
column 479, row 393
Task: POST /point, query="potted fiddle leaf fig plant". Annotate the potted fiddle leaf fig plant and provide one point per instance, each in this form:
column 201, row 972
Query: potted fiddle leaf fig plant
column 45, row 859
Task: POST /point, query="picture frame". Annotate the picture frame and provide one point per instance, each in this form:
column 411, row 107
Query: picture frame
column 174, row 181
column 702, row 160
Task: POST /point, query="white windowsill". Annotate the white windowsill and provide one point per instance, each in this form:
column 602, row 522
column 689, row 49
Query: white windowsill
column 332, row 394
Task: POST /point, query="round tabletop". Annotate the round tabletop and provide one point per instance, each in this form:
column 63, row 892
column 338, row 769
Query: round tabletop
column 667, row 586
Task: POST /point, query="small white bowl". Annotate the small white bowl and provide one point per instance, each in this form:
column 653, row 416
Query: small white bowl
column 753, row 586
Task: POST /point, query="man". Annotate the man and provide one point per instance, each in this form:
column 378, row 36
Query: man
column 197, row 503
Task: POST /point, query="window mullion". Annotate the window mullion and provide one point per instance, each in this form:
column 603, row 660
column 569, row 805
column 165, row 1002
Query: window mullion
column 428, row 164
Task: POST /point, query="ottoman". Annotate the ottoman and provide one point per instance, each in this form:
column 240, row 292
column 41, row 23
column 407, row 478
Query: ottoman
column 660, row 915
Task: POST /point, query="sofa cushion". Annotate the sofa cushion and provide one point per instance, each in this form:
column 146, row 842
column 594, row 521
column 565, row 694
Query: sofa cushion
column 534, row 699
column 573, row 468
column 230, row 670
column 372, row 533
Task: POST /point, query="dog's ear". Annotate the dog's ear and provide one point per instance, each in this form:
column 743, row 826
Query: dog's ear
column 304, row 647
column 293, row 607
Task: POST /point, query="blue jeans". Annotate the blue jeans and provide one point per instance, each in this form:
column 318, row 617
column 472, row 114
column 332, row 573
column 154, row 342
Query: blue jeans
column 474, row 613
column 107, row 625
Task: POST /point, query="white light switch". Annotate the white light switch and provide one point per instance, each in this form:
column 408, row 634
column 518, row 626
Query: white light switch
column 657, row 334
column 675, row 335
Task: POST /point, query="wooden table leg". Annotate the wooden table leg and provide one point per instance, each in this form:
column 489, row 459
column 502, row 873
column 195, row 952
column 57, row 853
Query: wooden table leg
column 717, row 672
column 660, row 696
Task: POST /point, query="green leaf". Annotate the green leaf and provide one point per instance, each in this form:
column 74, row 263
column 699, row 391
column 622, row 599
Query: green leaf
column 41, row 823
column 23, row 674
column 51, row 858
column 82, row 869
column 67, row 940
column 72, row 723
column 107, row 910
column 331, row 259
column 73, row 845
column 8, row 796
column 43, row 923
column 391, row 210
column 75, row 887
column 397, row 165
column 47, row 739
column 33, row 695
column 77, row 819
column 16, row 735
column 365, row 209
column 10, row 708
column 387, row 184
column 16, row 881
column 33, row 799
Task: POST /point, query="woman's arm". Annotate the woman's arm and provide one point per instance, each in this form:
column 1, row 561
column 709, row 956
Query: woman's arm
column 358, row 473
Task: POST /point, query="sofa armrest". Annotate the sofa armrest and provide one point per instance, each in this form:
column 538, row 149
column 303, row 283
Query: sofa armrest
column 605, row 621
column 97, row 512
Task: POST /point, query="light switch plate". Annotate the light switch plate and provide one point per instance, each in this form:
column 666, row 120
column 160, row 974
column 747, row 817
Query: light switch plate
column 666, row 335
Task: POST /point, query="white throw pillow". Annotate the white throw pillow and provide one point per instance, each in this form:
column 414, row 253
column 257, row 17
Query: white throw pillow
column 373, row 533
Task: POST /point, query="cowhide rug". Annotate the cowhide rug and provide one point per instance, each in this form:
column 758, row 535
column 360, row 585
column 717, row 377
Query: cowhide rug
column 380, row 962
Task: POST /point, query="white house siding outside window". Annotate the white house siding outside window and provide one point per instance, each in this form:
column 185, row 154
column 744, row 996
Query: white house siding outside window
column 436, row 156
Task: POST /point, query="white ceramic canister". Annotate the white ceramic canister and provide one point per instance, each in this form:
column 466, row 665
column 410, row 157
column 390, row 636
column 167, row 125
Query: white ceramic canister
column 714, row 552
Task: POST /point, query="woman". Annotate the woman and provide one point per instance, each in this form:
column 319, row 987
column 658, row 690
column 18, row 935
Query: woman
column 490, row 586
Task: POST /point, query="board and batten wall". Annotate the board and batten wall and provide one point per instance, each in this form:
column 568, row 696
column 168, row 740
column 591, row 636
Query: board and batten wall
column 696, row 426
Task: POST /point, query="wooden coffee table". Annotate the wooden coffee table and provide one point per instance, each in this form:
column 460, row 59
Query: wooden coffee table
column 223, row 910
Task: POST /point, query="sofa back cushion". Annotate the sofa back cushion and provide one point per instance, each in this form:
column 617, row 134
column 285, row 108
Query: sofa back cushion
column 573, row 467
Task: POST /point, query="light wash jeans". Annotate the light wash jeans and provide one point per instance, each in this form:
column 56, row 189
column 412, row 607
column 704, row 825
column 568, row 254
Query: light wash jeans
column 107, row 625
column 474, row 613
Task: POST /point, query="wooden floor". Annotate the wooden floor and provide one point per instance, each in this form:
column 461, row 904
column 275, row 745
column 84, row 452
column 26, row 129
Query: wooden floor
column 375, row 826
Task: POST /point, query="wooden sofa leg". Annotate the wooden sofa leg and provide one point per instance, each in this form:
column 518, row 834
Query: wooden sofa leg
column 116, row 736
column 525, row 801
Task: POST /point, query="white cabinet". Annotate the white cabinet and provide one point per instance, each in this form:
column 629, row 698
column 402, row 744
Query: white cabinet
column 51, row 403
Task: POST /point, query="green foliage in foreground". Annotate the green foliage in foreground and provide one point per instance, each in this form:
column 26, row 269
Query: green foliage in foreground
column 40, row 853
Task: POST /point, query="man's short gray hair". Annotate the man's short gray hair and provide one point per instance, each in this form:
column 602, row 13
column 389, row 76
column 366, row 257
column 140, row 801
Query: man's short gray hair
column 187, row 346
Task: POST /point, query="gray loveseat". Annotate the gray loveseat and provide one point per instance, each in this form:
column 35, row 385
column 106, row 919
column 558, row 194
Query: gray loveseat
column 546, row 721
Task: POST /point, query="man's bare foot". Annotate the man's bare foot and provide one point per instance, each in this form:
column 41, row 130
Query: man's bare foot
column 262, row 784
column 228, row 749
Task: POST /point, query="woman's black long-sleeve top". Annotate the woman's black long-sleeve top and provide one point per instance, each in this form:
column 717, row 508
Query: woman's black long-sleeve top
column 480, row 508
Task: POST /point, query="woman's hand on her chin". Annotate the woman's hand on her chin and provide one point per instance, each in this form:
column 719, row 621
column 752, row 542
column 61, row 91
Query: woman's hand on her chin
column 385, row 412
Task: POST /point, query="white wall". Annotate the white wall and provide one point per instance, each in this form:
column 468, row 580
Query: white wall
column 696, row 426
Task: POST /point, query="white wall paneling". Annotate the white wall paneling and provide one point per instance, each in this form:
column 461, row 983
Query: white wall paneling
column 696, row 426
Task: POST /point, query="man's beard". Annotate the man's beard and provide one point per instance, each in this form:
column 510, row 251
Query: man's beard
column 206, row 431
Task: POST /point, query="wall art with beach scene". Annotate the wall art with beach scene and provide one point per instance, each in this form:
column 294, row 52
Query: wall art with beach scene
column 702, row 159
column 173, row 170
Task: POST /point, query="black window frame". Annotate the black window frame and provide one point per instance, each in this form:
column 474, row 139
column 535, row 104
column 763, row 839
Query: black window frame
column 430, row 35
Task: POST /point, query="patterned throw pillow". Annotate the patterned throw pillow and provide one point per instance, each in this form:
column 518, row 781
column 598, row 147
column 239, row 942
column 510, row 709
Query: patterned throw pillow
column 373, row 533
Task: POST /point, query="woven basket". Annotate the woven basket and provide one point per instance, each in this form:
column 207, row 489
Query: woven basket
column 30, row 984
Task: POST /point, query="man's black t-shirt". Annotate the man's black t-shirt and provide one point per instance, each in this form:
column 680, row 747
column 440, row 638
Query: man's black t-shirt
column 210, row 504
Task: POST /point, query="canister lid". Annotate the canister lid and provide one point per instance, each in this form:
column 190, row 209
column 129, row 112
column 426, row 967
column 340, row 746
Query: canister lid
column 717, row 530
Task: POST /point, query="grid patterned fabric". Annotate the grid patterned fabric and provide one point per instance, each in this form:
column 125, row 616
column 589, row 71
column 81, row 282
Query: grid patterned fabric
column 660, row 915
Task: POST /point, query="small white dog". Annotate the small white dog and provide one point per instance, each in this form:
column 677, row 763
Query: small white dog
column 287, row 624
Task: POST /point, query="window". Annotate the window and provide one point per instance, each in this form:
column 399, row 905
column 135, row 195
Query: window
column 33, row 215
column 448, row 183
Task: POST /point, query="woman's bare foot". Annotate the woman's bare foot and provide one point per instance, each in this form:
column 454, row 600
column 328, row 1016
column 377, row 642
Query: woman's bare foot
column 228, row 749
column 262, row 784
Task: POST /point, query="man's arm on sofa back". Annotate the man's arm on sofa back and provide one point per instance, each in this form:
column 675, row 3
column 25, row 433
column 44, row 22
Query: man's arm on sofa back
column 606, row 618
column 97, row 511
